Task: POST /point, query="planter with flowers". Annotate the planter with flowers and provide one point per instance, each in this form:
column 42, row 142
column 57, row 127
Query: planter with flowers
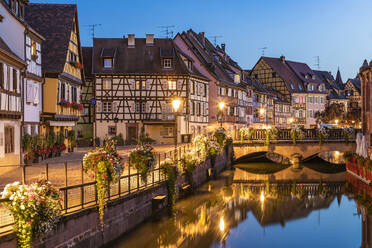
column 322, row 134
column 170, row 170
column 349, row 133
column 201, row 143
column 104, row 165
column 143, row 158
column 213, row 149
column 297, row 134
column 188, row 163
column 76, row 64
column 35, row 208
column 246, row 133
column 63, row 103
column 220, row 135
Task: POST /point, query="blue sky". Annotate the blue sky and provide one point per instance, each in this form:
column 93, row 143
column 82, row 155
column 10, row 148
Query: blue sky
column 338, row 31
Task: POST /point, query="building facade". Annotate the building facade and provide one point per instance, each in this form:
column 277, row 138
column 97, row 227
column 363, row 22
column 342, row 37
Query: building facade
column 32, row 92
column 61, row 65
column 226, row 80
column 365, row 75
column 136, row 80
column 12, row 70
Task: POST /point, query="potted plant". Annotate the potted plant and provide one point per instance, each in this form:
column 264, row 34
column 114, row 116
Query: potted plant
column 71, row 140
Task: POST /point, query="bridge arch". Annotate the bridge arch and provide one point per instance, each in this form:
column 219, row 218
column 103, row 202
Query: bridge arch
column 288, row 150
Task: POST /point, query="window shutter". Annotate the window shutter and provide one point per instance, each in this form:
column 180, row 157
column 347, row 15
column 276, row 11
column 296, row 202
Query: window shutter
column 114, row 107
column 15, row 79
column 36, row 94
column 1, row 75
column 99, row 107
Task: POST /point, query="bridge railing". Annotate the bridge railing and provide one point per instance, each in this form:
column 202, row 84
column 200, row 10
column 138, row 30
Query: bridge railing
column 309, row 135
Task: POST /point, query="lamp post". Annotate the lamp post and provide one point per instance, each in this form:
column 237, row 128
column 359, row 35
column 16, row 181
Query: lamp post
column 221, row 106
column 176, row 105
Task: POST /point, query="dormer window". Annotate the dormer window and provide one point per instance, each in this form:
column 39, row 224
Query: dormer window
column 300, row 87
column 307, row 76
column 313, row 77
column 167, row 63
column 107, row 63
column 189, row 65
column 292, row 87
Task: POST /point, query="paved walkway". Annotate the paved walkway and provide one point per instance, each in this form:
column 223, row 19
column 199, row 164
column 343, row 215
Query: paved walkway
column 56, row 167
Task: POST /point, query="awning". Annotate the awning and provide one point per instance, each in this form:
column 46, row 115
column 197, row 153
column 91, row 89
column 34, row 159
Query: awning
column 62, row 123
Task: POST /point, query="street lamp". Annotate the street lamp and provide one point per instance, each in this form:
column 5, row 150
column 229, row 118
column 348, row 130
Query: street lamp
column 176, row 103
column 336, row 121
column 221, row 106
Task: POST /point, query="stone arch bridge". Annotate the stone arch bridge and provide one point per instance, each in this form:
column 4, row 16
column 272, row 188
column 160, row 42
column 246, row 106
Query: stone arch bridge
column 300, row 151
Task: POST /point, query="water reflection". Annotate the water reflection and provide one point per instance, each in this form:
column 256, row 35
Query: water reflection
column 282, row 209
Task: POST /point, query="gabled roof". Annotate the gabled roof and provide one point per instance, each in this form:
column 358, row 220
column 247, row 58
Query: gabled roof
column 87, row 61
column 5, row 49
column 140, row 59
column 55, row 23
column 326, row 77
column 333, row 95
column 210, row 57
column 355, row 82
column 283, row 70
column 304, row 72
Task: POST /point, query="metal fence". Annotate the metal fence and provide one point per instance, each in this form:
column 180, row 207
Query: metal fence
column 309, row 135
column 78, row 190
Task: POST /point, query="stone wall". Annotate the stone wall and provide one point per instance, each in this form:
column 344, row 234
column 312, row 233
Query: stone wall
column 82, row 229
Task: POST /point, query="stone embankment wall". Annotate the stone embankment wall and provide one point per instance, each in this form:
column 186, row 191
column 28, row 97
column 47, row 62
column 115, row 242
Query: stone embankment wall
column 82, row 229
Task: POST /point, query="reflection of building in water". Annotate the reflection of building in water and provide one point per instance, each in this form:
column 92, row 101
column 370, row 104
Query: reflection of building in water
column 362, row 194
column 273, row 203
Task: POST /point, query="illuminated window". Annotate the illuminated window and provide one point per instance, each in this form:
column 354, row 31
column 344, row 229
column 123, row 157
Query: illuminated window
column 172, row 85
column 107, row 63
column 140, row 85
column 167, row 63
column 106, row 84
column 33, row 50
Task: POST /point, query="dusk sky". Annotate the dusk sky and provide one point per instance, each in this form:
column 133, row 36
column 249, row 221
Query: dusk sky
column 338, row 31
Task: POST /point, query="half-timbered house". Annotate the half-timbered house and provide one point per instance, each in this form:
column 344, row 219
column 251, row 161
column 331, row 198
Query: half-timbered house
column 61, row 64
column 12, row 69
column 353, row 93
column 32, row 92
column 136, row 80
column 226, row 84
column 85, row 123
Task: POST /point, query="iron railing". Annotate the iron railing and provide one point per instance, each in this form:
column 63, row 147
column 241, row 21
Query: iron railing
column 309, row 135
column 79, row 191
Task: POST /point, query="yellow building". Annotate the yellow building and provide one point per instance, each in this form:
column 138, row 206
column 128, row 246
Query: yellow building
column 61, row 64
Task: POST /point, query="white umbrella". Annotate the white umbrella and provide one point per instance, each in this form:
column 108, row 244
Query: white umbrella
column 358, row 142
column 364, row 148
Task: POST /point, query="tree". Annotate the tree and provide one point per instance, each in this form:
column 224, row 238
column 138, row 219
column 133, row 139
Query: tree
column 332, row 112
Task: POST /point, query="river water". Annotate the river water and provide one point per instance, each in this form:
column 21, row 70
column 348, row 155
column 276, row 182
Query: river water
column 282, row 208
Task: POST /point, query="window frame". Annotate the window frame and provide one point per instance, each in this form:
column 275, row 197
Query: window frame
column 111, row 60
column 167, row 63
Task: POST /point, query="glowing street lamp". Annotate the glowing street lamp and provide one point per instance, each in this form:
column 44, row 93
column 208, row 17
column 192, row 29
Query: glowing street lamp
column 176, row 103
column 262, row 197
column 262, row 111
column 336, row 121
column 222, row 224
column 290, row 120
column 221, row 106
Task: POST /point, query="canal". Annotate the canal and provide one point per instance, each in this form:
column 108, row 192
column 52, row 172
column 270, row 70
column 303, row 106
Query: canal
column 265, row 205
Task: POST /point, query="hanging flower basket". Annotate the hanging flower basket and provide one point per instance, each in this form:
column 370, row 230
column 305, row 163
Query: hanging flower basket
column 143, row 159
column 104, row 165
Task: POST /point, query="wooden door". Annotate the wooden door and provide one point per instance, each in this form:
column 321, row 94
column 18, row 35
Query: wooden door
column 132, row 135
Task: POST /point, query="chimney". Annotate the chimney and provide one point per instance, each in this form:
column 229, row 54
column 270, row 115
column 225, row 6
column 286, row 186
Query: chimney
column 223, row 46
column 282, row 58
column 131, row 40
column 149, row 39
column 202, row 34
